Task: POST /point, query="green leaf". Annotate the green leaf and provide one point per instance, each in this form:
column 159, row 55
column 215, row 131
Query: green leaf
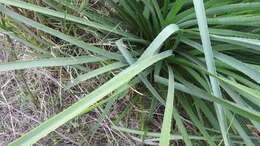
column 59, row 34
column 197, row 92
column 158, row 41
column 240, row 66
column 239, row 128
column 94, row 73
column 249, row 91
column 155, row 134
column 13, row 36
column 198, row 124
column 58, row 61
column 168, row 112
column 77, row 108
column 251, row 43
column 174, row 10
column 204, row 33
column 232, row 21
column 131, row 60
column 65, row 16
column 227, row 9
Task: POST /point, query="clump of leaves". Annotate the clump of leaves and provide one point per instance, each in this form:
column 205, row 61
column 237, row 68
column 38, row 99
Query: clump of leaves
column 205, row 53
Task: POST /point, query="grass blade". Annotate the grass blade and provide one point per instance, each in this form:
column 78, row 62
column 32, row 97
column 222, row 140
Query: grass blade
column 251, row 43
column 158, row 41
column 239, row 128
column 228, row 9
column 59, row 34
column 197, row 92
column 167, row 118
column 13, row 36
column 65, row 16
column 58, row 61
column 204, row 33
column 198, row 124
column 131, row 60
column 94, row 73
column 240, row 66
column 154, row 134
column 80, row 106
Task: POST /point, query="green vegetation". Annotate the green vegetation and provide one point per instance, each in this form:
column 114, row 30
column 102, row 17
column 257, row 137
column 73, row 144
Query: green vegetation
column 200, row 60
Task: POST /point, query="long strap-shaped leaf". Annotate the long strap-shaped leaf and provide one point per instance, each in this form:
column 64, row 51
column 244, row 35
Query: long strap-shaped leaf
column 77, row 108
column 151, row 50
column 253, row 74
column 58, row 61
column 197, row 92
column 232, row 20
column 173, row 136
column 155, row 134
column 169, row 109
column 93, row 73
column 131, row 60
column 13, row 36
column 227, row 9
column 204, row 32
column 58, row 34
column 250, row 43
column 253, row 93
column 158, row 41
column 62, row 15
column 241, row 102
column 196, row 121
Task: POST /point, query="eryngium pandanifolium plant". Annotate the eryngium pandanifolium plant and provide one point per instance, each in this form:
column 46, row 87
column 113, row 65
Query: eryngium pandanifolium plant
column 205, row 53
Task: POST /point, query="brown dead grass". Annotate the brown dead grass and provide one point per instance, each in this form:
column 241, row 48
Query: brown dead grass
column 29, row 97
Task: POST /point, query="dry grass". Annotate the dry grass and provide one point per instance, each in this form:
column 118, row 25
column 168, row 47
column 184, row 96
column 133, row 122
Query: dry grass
column 29, row 97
